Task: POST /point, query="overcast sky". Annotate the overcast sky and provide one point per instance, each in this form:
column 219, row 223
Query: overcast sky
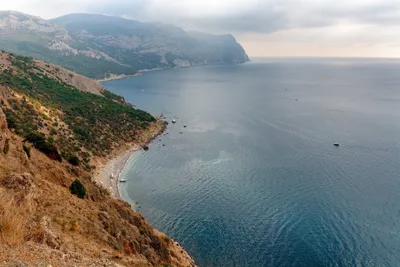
column 369, row 28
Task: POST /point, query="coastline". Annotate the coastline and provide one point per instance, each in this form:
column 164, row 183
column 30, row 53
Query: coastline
column 109, row 175
column 109, row 171
column 139, row 73
column 116, row 163
column 114, row 77
column 118, row 77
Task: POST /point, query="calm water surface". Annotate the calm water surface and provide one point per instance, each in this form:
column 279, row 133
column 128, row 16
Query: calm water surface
column 254, row 179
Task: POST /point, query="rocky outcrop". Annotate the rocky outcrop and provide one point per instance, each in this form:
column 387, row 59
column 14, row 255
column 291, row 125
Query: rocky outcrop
column 40, row 231
column 17, row 181
column 12, row 21
column 3, row 122
column 4, row 135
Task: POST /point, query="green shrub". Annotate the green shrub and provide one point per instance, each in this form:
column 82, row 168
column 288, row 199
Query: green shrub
column 166, row 239
column 77, row 189
column 39, row 141
column 96, row 122
column 27, row 150
column 53, row 131
column 6, row 146
column 73, row 160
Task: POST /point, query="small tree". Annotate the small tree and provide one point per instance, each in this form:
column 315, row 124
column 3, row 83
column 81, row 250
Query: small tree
column 6, row 146
column 77, row 189
column 27, row 150
column 74, row 160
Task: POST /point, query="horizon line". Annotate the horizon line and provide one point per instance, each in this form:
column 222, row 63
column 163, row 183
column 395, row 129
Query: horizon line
column 322, row 57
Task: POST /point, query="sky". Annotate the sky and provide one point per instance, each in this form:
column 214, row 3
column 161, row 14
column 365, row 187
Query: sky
column 273, row 28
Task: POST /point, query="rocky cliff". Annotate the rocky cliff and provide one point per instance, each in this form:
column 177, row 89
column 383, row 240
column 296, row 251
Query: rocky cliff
column 51, row 211
column 98, row 46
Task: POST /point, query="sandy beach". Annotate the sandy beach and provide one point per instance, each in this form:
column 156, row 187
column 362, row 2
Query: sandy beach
column 118, row 77
column 109, row 171
column 123, row 76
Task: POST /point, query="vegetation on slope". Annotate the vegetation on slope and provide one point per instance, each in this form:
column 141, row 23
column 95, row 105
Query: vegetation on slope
column 93, row 124
column 52, row 213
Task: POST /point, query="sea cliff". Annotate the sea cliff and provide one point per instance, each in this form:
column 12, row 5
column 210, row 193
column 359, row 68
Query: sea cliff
column 56, row 131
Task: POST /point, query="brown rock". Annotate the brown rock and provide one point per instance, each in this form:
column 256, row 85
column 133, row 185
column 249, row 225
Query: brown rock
column 17, row 263
column 41, row 232
column 17, row 181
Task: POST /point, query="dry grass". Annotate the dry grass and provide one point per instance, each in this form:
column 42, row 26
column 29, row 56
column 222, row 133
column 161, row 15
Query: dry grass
column 11, row 221
column 41, row 220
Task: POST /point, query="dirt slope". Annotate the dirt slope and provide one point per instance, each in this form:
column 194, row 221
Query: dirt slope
column 43, row 224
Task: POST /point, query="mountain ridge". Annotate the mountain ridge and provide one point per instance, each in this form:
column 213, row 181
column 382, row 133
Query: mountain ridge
column 99, row 46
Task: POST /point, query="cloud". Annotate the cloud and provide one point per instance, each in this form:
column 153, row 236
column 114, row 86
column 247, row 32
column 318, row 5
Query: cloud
column 262, row 16
column 346, row 23
column 256, row 15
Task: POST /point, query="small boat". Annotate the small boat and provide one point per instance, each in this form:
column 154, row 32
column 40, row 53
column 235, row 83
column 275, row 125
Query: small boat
column 123, row 181
column 173, row 121
column 336, row 144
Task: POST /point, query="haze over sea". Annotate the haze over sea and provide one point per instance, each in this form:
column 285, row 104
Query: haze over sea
column 254, row 179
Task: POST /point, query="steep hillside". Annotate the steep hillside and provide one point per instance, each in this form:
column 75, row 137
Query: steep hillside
column 98, row 46
column 81, row 124
column 51, row 211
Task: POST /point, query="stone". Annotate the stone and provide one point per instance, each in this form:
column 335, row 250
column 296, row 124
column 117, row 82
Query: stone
column 17, row 181
column 17, row 263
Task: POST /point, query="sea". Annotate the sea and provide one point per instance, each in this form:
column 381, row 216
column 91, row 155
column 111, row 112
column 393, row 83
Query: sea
column 249, row 174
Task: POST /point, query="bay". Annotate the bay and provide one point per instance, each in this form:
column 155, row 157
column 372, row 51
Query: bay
column 254, row 178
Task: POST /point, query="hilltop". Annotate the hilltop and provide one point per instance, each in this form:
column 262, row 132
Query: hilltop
column 54, row 130
column 100, row 46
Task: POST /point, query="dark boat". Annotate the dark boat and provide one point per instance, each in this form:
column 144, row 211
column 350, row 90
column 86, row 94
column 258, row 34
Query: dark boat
column 336, row 144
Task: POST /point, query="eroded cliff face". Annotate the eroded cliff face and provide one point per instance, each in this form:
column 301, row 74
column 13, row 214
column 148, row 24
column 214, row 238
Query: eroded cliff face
column 4, row 136
column 42, row 223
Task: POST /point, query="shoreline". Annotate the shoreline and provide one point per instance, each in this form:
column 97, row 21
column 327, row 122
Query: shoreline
column 109, row 173
column 114, row 77
column 139, row 72
column 114, row 168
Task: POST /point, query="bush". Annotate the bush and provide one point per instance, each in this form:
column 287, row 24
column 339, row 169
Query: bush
column 166, row 239
column 53, row 131
column 96, row 122
column 73, row 160
column 39, row 141
column 6, row 146
column 27, row 150
column 77, row 189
